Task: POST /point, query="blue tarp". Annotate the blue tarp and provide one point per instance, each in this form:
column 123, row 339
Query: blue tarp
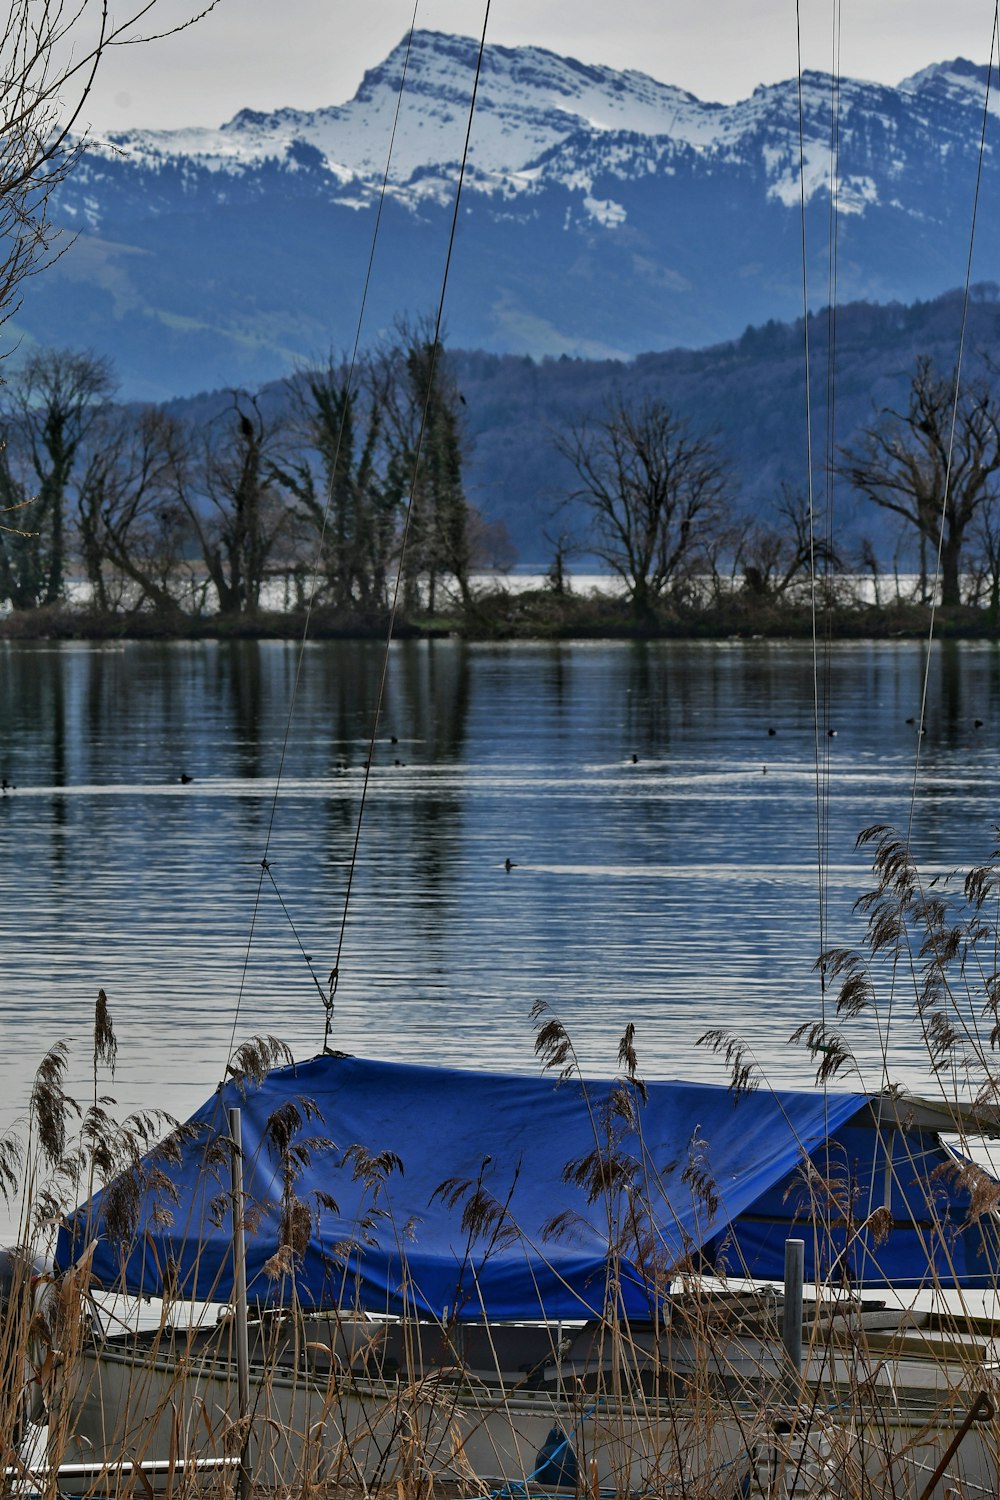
column 884, row 1207
column 420, row 1190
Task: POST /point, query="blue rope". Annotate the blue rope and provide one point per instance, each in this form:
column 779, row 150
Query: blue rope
column 520, row 1486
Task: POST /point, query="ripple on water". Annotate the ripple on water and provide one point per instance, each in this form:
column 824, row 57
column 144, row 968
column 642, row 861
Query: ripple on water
column 679, row 891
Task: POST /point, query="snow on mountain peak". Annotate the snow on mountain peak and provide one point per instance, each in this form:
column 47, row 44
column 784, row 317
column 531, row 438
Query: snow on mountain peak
column 528, row 101
column 961, row 81
column 602, row 211
column 541, row 119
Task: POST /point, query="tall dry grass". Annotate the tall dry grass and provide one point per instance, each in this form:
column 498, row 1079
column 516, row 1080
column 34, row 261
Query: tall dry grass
column 696, row 1399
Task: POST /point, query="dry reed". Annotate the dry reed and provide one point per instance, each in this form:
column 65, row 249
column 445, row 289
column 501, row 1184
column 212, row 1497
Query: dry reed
column 694, row 1400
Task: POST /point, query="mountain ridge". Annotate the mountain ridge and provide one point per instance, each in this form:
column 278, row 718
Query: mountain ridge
column 603, row 214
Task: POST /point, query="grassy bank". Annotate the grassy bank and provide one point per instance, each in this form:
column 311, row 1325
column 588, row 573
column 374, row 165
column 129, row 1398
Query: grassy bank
column 531, row 615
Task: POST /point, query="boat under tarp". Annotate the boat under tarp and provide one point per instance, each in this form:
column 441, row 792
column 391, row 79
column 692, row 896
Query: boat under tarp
column 433, row 1192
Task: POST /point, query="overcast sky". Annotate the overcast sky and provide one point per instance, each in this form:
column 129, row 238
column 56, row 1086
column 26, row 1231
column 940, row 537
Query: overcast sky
column 263, row 54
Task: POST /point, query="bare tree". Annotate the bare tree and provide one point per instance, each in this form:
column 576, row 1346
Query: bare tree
column 52, row 402
column 985, row 559
column 338, row 481
column 50, row 54
column 443, row 508
column 907, row 460
column 418, row 395
column 490, row 546
column 236, row 504
column 773, row 557
column 20, row 547
column 564, row 546
column 134, row 534
column 656, row 493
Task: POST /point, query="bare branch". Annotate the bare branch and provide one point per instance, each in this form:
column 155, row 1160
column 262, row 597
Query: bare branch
column 656, row 493
column 909, row 463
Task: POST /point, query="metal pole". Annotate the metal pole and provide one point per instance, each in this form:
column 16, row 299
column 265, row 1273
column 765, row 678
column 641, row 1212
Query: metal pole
column 791, row 1323
column 240, row 1276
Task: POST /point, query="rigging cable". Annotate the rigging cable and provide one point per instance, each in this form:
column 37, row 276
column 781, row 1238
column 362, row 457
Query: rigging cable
column 824, row 562
column 820, row 742
column 946, row 492
column 265, row 866
column 434, row 354
column 956, row 398
column 884, row 1027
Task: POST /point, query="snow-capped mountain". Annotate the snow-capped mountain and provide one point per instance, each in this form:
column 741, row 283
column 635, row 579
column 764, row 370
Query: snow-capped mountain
column 602, row 213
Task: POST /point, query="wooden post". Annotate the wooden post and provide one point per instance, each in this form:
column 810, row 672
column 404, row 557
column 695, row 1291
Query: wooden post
column 240, row 1278
column 791, row 1323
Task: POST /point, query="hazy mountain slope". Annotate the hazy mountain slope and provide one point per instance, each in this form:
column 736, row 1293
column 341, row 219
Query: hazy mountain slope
column 750, row 393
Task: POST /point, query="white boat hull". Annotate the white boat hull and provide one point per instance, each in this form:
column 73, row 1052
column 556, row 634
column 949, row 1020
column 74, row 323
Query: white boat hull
column 318, row 1421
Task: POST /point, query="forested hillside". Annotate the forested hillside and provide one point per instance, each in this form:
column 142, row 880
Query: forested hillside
column 749, row 394
column 686, row 475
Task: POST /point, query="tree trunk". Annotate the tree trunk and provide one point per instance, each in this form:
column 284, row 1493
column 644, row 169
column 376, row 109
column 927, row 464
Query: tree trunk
column 951, row 578
column 57, row 552
column 641, row 602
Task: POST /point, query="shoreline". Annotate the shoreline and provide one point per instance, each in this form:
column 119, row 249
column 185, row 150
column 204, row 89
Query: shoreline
column 540, row 615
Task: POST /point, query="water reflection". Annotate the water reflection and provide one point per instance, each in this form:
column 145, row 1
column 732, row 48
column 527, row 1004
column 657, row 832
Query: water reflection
column 242, row 689
column 679, row 890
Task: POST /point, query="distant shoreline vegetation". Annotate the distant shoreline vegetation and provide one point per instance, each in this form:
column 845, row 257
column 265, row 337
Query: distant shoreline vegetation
column 348, row 501
column 534, row 609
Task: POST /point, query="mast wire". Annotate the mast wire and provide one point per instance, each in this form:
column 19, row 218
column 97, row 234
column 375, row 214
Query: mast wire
column 956, row 398
column 821, row 755
column 945, row 501
column 266, row 871
column 825, row 561
column 434, row 354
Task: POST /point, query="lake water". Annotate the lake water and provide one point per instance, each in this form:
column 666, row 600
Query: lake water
column 661, row 874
